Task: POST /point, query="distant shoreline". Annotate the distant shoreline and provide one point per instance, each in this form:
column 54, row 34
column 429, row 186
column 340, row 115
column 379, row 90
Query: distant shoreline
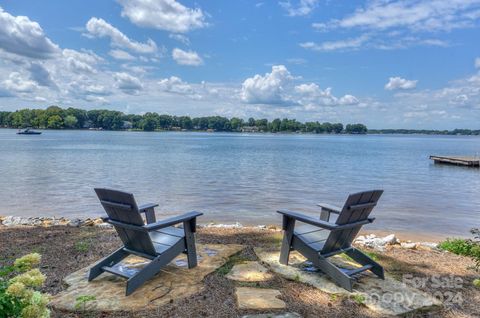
column 378, row 132
column 55, row 117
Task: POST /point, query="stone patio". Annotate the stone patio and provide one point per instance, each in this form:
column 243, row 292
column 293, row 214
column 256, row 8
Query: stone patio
column 386, row 297
column 174, row 282
column 258, row 298
column 249, row 272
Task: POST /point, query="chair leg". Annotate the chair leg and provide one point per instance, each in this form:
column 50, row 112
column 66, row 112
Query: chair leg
column 110, row 260
column 288, row 227
column 190, row 244
column 152, row 268
column 334, row 273
column 363, row 259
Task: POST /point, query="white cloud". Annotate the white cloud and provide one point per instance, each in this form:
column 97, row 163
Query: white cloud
column 175, row 85
column 88, row 89
column 19, row 84
column 180, row 37
column 353, row 43
column 277, row 88
column 390, row 42
column 121, row 55
column 348, row 100
column 303, row 7
column 83, row 62
column 41, row 75
column 186, row 57
column 100, row 28
column 312, row 95
column 400, row 83
column 168, row 15
column 267, row 89
column 477, row 62
column 19, row 35
column 128, row 84
column 416, row 15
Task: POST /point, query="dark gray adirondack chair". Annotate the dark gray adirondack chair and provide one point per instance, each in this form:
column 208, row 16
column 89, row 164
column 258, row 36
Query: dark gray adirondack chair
column 319, row 239
column 158, row 241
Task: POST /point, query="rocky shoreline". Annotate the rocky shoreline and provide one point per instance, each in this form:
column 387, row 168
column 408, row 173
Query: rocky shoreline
column 372, row 241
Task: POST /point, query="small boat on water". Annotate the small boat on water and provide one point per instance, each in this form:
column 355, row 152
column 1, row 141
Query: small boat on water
column 28, row 131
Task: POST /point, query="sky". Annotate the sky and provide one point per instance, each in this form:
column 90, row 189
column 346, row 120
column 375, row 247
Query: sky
column 387, row 64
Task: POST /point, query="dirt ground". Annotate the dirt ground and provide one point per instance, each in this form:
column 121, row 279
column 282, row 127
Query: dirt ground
column 66, row 249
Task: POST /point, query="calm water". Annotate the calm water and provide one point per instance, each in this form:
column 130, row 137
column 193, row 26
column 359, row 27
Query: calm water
column 241, row 177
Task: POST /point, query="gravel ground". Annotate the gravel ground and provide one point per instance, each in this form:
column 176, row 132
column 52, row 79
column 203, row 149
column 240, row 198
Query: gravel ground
column 66, row 249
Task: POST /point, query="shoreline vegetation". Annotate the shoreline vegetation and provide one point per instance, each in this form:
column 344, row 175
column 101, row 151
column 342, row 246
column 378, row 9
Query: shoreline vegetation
column 55, row 117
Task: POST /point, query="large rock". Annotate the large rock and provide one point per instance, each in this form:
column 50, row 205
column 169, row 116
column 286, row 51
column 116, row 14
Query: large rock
column 385, row 297
column 175, row 281
column 249, row 272
column 378, row 243
column 258, row 298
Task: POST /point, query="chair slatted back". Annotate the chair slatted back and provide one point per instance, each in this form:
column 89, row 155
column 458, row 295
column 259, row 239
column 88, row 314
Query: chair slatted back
column 358, row 207
column 121, row 207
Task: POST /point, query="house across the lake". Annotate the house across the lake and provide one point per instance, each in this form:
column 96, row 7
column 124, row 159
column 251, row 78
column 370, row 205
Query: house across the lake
column 250, row 129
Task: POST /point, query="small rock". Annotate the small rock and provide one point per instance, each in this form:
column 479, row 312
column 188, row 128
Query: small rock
column 236, row 225
column 428, row 245
column 104, row 225
column 11, row 221
column 75, row 223
column 410, row 246
column 389, row 239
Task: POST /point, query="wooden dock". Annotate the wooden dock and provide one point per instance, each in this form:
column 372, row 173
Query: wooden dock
column 457, row 160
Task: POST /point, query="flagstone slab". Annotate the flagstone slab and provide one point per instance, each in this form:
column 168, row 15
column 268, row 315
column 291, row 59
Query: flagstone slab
column 387, row 297
column 249, row 272
column 175, row 281
column 258, row 298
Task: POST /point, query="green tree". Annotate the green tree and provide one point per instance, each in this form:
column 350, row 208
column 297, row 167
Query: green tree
column 356, row 129
column 236, row 123
column 337, row 128
column 55, row 122
column 70, row 121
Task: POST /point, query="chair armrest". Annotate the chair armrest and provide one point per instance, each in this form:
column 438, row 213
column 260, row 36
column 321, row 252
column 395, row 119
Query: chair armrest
column 330, row 207
column 149, row 210
column 172, row 221
column 309, row 220
column 147, row 206
column 325, row 225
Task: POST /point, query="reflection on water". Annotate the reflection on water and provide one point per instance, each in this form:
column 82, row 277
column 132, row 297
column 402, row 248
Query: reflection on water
column 241, row 177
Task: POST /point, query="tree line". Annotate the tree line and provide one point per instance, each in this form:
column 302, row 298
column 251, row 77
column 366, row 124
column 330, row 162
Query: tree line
column 463, row 132
column 55, row 117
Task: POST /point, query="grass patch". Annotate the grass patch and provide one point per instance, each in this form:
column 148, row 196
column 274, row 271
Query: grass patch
column 276, row 238
column 476, row 282
column 227, row 267
column 372, row 255
column 463, row 247
column 359, row 299
column 82, row 246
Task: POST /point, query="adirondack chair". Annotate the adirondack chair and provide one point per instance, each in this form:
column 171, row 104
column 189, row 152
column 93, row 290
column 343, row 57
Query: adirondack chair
column 158, row 241
column 319, row 239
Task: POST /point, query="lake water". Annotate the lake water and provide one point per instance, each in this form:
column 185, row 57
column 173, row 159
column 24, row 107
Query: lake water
column 242, row 177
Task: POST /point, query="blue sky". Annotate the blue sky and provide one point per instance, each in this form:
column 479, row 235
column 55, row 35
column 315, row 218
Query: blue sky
column 389, row 64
